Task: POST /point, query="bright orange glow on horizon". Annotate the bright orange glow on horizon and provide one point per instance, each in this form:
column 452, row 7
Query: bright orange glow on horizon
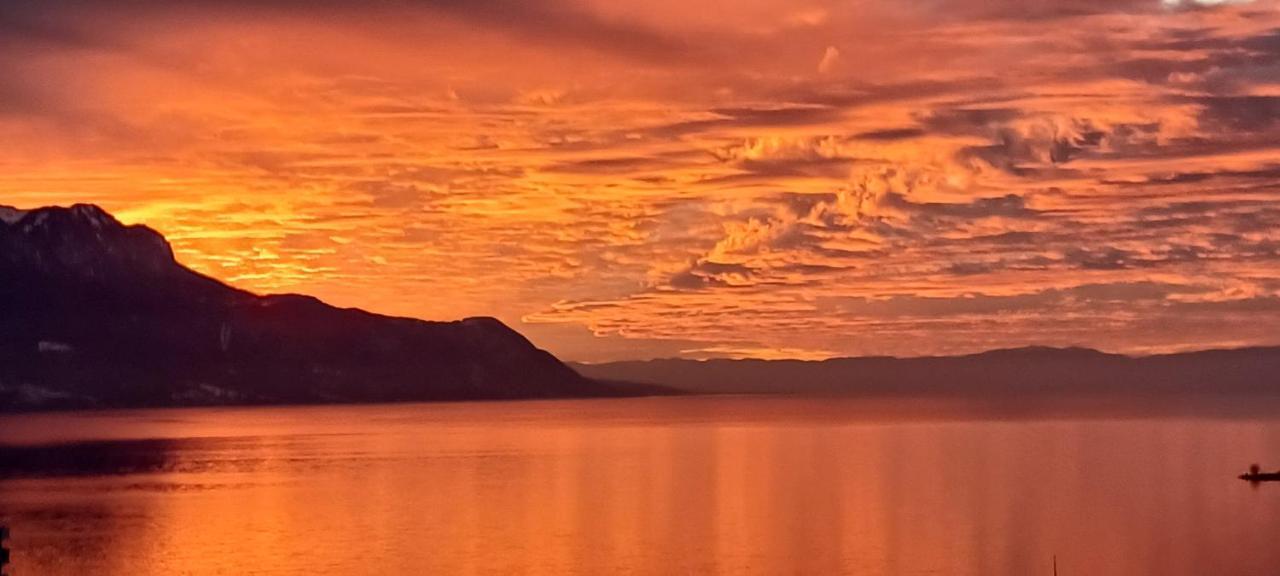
column 639, row 179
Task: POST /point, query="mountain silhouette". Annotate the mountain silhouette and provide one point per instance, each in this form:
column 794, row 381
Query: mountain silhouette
column 94, row 313
column 1001, row 374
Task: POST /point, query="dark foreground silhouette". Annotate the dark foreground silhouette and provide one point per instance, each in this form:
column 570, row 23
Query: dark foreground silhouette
column 1256, row 475
column 99, row 314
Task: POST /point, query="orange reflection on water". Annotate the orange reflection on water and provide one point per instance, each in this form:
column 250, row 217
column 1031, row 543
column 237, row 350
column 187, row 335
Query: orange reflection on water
column 670, row 486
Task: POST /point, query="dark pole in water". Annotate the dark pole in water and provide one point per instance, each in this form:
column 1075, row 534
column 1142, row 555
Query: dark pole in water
column 1055, row 565
column 4, row 552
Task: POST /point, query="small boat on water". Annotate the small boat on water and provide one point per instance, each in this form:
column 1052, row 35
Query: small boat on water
column 1255, row 474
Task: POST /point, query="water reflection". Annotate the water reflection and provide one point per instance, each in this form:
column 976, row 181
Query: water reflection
column 88, row 458
column 671, row 486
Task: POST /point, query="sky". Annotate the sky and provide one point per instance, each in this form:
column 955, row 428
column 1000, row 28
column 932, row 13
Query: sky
column 622, row 179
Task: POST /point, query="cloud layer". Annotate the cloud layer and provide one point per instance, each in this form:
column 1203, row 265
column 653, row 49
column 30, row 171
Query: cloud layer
column 626, row 179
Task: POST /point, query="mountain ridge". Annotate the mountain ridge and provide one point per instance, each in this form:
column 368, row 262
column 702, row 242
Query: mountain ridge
column 1006, row 372
column 100, row 314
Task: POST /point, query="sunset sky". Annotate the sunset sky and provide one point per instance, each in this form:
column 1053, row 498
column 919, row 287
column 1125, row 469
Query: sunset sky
column 632, row 179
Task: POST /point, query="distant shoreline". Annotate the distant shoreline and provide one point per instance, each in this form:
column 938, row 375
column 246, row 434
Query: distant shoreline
column 1017, row 372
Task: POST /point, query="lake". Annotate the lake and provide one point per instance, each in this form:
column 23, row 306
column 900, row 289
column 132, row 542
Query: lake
column 703, row 485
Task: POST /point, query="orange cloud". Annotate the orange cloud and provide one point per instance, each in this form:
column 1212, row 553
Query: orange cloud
column 625, row 179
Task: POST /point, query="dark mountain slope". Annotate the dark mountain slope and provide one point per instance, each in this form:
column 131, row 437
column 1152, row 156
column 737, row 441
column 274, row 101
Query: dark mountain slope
column 95, row 313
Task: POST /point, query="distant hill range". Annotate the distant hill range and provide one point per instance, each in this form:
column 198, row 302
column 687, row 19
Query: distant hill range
column 94, row 313
column 1008, row 374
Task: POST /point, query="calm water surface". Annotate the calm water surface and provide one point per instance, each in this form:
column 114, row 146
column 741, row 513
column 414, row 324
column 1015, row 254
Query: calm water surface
column 645, row 486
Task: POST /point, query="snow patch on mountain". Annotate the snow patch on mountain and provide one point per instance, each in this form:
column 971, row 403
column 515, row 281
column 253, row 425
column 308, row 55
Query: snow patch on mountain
column 10, row 215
